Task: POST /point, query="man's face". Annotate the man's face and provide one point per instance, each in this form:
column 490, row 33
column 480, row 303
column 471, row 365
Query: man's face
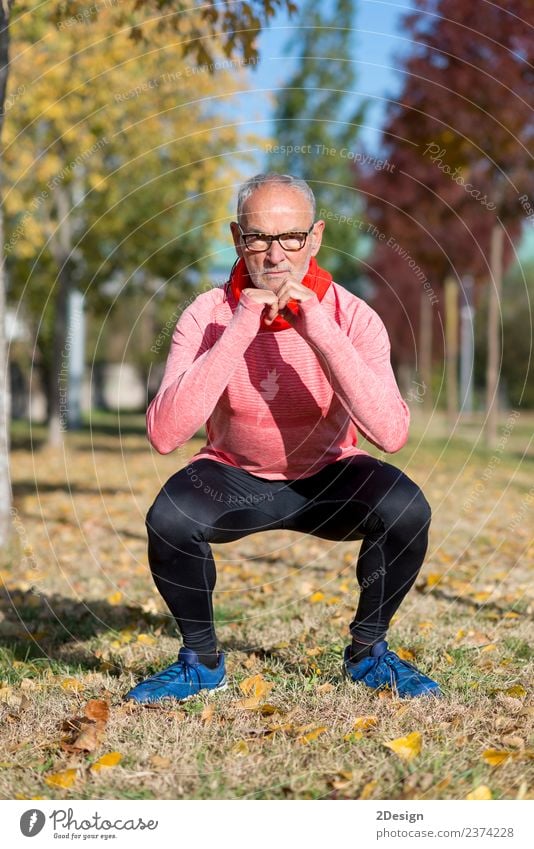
column 274, row 209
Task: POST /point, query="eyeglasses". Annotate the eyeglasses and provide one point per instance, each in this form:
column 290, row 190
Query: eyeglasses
column 260, row 242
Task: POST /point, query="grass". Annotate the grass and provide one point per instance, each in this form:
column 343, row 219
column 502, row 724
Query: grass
column 80, row 619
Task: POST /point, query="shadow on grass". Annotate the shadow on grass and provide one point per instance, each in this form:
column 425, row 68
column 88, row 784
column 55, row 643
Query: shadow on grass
column 35, row 625
column 33, row 487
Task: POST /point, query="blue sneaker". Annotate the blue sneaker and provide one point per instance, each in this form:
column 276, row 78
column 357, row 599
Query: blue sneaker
column 180, row 680
column 384, row 668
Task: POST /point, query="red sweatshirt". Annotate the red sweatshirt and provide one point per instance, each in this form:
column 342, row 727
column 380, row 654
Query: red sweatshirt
column 280, row 405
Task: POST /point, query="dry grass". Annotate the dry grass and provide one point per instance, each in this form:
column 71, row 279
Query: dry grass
column 81, row 620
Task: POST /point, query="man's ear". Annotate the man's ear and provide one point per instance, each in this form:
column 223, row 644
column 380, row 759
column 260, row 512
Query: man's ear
column 317, row 237
column 236, row 236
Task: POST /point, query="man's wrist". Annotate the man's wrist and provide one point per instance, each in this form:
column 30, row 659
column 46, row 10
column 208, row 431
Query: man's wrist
column 250, row 304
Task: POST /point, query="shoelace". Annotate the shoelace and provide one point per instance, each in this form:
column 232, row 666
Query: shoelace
column 393, row 661
column 170, row 673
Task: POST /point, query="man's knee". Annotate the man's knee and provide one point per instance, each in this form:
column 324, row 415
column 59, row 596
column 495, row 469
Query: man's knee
column 408, row 510
column 167, row 520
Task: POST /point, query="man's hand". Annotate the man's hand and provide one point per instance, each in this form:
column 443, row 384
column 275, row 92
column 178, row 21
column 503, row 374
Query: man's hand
column 277, row 301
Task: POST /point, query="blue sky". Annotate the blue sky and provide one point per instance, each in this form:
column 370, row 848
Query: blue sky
column 376, row 39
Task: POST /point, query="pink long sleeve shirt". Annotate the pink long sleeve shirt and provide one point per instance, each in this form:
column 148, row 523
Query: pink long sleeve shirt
column 280, row 405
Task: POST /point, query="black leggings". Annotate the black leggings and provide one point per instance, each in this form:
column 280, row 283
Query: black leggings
column 352, row 499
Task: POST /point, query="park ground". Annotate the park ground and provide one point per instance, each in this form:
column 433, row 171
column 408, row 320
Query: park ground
column 81, row 622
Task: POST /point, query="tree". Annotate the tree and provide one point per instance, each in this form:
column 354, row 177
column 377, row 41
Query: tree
column 105, row 184
column 465, row 111
column 316, row 127
column 485, row 139
column 201, row 27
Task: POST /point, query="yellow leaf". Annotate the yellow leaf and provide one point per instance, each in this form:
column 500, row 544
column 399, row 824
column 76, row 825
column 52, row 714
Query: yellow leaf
column 517, row 691
column 494, row 757
column 255, row 686
column 362, row 723
column 448, row 658
column 252, row 703
column 425, row 626
column 312, row 735
column 490, row 647
column 405, row 654
column 72, row 684
column 146, row 639
column 318, row 596
column 267, row 709
column 115, row 598
column 353, row 736
column 481, row 596
column 407, row 748
column 62, row 779
column 368, row 789
column 106, row 761
column 341, row 780
column 480, row 792
column 433, row 578
column 240, row 748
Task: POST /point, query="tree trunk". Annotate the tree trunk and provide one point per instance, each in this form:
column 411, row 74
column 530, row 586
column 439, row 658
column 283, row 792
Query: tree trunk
column 5, row 482
column 451, row 353
column 58, row 386
column 467, row 346
column 494, row 337
column 425, row 350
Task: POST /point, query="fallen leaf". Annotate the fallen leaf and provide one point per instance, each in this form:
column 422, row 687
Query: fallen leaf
column 318, row 596
column 97, row 710
column 256, row 688
column 87, row 731
column 146, row 639
column 517, row 691
column 407, row 748
column 106, row 761
column 353, row 736
column 362, row 723
column 405, row 654
column 341, row 780
column 72, row 685
column 240, row 748
column 368, row 789
column 207, row 714
column 312, row 735
column 114, row 598
column 494, row 757
column 480, row 792
column 62, row 779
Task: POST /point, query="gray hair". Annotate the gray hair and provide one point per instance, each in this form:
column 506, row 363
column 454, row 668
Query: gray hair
column 258, row 180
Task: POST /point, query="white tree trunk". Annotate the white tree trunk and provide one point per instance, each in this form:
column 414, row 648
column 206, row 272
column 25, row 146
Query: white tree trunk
column 494, row 336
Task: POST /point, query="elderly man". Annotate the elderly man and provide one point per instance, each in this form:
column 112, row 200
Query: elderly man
column 285, row 367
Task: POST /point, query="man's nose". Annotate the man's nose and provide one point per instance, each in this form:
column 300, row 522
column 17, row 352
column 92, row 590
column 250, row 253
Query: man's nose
column 275, row 253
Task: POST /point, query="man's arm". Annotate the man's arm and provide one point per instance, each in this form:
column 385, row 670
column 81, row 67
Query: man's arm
column 193, row 382
column 359, row 370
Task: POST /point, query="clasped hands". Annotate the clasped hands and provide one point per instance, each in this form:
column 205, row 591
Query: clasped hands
column 277, row 301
